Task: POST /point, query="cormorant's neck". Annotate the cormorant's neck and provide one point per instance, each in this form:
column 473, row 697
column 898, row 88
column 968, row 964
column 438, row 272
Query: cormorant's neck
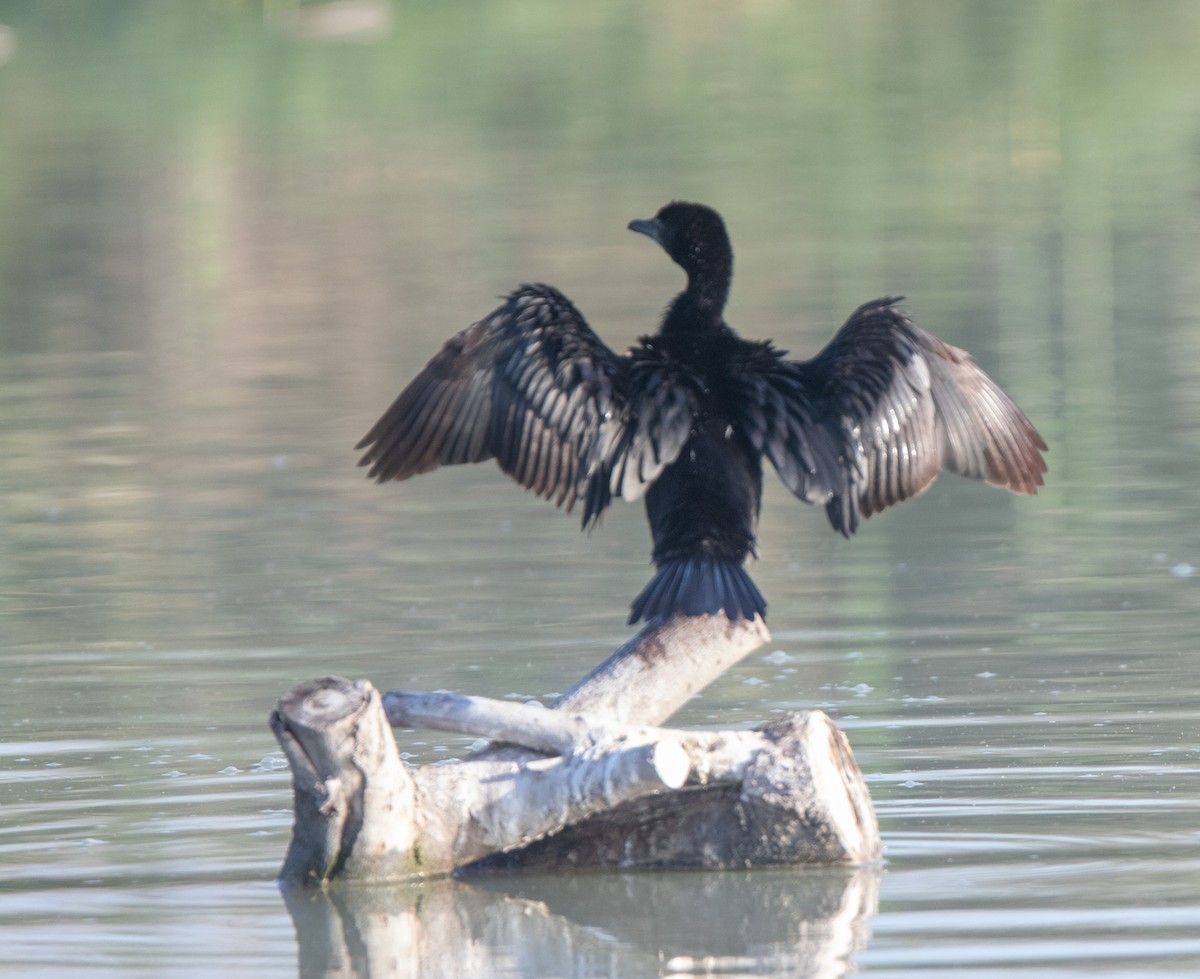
column 691, row 313
column 701, row 304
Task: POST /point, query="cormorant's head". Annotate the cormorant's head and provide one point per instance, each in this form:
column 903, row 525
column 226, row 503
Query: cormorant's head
column 695, row 238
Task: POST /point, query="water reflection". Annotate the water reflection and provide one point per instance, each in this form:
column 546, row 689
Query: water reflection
column 773, row 922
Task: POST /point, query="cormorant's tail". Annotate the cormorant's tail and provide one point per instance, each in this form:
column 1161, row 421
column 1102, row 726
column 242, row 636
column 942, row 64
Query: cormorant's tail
column 698, row 586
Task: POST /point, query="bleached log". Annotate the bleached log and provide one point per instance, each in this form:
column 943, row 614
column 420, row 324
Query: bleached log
column 529, row 725
column 663, row 666
column 801, row 799
column 354, row 799
column 591, row 785
column 476, row 809
column 360, row 811
column 713, row 756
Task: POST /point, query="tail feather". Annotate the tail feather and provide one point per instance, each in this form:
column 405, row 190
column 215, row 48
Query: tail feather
column 699, row 586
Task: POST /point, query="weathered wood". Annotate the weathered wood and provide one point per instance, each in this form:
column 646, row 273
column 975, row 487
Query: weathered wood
column 354, row 812
column 662, row 667
column 801, row 799
column 476, row 808
column 529, row 725
column 712, row 755
column 585, row 784
column 360, row 813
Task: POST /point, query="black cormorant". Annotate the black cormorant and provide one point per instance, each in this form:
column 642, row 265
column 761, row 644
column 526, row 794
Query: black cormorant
column 686, row 417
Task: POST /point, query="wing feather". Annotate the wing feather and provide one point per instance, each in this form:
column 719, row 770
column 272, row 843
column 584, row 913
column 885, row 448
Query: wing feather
column 873, row 418
column 533, row 387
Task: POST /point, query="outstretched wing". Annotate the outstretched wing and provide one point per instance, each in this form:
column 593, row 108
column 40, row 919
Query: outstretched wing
column 532, row 386
column 872, row 419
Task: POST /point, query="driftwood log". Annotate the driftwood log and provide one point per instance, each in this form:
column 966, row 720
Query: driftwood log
column 590, row 783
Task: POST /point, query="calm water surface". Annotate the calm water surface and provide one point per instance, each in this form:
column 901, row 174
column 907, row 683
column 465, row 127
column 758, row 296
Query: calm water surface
column 232, row 231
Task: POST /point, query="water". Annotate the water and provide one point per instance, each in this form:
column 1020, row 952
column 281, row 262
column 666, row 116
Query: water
column 228, row 240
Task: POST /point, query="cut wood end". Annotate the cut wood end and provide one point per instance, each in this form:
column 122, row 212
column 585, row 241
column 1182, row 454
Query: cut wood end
column 321, row 703
column 812, row 773
column 840, row 782
column 672, row 764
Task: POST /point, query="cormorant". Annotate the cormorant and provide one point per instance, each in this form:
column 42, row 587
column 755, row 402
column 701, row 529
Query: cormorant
column 686, row 417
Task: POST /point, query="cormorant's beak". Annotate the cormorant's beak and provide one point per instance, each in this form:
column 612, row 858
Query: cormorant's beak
column 650, row 227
